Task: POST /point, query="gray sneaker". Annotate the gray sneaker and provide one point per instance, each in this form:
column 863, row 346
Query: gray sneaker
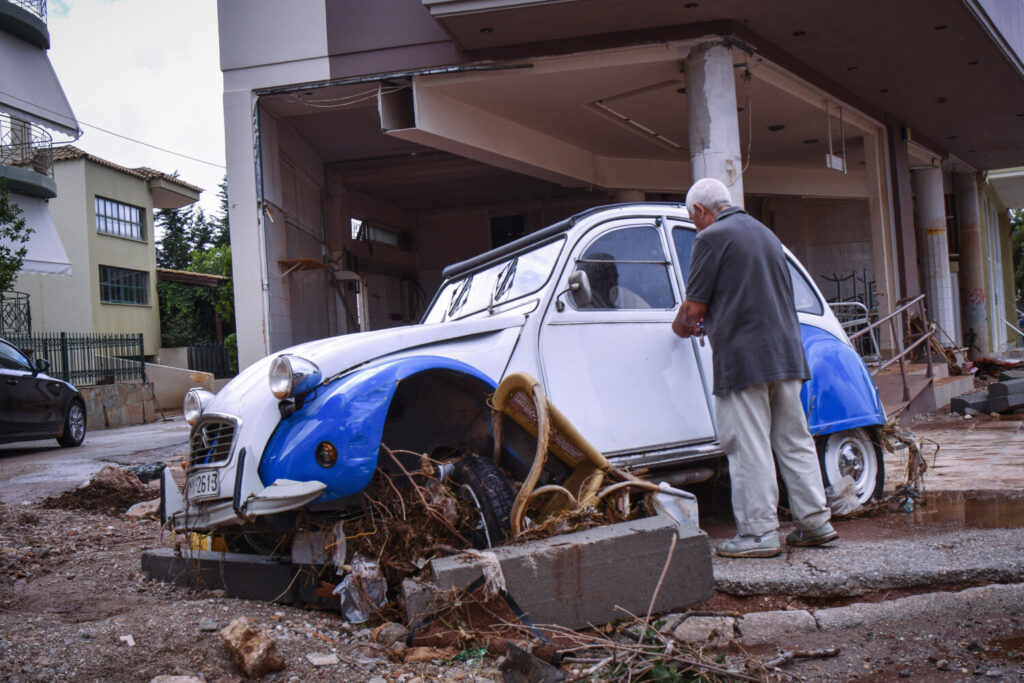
column 820, row 536
column 766, row 545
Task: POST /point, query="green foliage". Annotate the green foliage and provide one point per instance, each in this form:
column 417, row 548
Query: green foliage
column 14, row 235
column 1017, row 244
column 194, row 242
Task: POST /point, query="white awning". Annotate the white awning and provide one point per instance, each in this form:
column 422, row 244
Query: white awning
column 29, row 87
column 46, row 253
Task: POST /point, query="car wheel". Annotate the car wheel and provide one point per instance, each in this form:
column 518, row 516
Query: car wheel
column 482, row 483
column 74, row 425
column 853, row 453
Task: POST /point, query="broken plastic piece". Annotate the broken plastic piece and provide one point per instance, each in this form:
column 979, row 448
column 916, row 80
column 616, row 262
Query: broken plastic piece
column 678, row 505
column 362, row 590
column 842, row 496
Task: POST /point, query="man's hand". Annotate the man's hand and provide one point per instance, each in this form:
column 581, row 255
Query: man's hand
column 689, row 318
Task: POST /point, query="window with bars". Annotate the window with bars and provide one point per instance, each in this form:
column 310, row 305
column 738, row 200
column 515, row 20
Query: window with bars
column 123, row 286
column 119, row 220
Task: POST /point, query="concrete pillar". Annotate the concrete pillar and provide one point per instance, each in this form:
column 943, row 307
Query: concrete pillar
column 624, row 196
column 932, row 240
column 713, row 121
column 973, row 291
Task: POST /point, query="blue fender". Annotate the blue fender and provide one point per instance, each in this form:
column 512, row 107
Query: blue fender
column 349, row 413
column 840, row 394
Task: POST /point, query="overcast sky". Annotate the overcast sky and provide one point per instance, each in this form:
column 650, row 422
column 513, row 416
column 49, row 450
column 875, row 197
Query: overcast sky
column 148, row 70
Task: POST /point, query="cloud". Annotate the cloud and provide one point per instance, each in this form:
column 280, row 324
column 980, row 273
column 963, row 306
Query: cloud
column 149, row 71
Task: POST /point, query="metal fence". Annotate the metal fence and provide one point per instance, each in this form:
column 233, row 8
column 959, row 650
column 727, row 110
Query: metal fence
column 25, row 145
column 86, row 359
column 211, row 358
column 15, row 314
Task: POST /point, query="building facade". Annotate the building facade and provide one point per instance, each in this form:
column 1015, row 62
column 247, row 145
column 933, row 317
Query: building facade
column 372, row 143
column 104, row 216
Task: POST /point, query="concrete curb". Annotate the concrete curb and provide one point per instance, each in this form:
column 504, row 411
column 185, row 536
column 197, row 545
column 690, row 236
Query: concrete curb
column 851, row 568
column 763, row 628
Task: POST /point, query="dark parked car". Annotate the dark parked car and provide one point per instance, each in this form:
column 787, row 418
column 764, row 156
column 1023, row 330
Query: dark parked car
column 34, row 405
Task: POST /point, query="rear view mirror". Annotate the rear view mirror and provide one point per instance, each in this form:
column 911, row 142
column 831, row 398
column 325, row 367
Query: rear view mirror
column 42, row 365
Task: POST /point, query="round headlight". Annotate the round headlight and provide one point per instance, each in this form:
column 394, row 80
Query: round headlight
column 281, row 377
column 195, row 403
column 326, row 454
column 293, row 377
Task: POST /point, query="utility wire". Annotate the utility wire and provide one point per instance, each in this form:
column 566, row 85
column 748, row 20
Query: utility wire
column 110, row 132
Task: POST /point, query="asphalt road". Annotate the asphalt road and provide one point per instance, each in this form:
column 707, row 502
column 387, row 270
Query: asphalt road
column 34, row 470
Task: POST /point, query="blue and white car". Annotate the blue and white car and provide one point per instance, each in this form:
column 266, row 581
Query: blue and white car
column 584, row 305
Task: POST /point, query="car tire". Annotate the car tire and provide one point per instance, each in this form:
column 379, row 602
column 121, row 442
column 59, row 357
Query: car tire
column 74, row 425
column 482, row 482
column 853, row 452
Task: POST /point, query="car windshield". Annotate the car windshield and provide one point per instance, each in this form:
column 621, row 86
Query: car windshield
column 503, row 281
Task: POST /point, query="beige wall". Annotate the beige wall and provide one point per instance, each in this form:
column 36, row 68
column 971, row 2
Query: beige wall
column 72, row 303
column 63, row 303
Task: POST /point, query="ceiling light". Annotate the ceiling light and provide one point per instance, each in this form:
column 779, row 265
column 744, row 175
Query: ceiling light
column 940, row 100
column 690, row 5
column 973, row 62
column 797, row 34
column 487, row 29
column 940, row 27
column 883, row 90
column 811, row 141
column 851, row 68
column 951, row 137
column 776, row 128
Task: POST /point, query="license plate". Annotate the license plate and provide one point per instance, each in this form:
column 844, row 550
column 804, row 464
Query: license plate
column 203, row 485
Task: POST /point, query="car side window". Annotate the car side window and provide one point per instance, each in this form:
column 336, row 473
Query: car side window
column 804, row 297
column 13, row 359
column 682, row 240
column 627, row 269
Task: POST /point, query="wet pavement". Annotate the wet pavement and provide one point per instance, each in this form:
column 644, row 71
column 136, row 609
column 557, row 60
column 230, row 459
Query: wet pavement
column 33, row 470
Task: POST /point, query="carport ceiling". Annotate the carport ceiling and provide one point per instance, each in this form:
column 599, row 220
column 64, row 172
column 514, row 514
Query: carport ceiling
column 929, row 63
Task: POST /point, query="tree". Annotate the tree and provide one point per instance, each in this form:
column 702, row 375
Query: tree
column 222, row 233
column 14, row 235
column 174, row 250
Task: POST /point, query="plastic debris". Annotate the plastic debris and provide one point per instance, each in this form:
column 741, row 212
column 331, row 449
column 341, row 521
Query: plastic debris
column 678, row 505
column 842, row 497
column 362, row 590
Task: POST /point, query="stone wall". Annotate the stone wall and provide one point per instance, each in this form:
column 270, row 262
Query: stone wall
column 118, row 405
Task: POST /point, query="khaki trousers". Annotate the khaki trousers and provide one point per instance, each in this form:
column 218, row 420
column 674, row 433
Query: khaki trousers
column 754, row 422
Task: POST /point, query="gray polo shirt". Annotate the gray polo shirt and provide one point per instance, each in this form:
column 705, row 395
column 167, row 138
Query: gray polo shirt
column 738, row 268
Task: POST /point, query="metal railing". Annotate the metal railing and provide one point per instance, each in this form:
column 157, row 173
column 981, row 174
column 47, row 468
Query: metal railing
column 87, row 359
column 212, row 358
column 854, row 317
column 36, row 7
column 15, row 314
column 904, row 336
column 25, row 145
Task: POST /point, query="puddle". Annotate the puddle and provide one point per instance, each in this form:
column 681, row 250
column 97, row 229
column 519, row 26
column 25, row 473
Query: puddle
column 971, row 510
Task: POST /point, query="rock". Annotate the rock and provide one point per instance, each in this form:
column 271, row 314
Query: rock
column 178, row 679
column 942, row 665
column 904, row 673
column 207, row 625
column 118, row 479
column 389, row 632
column 376, row 679
column 147, row 509
column 716, row 631
column 322, row 659
column 128, row 640
column 522, row 667
column 253, row 649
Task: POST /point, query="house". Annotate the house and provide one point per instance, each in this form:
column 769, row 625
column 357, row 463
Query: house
column 369, row 144
column 104, row 216
column 33, row 109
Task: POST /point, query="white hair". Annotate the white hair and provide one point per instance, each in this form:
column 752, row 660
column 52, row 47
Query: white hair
column 710, row 193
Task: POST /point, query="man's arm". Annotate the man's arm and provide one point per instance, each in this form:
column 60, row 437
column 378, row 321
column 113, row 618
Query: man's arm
column 688, row 318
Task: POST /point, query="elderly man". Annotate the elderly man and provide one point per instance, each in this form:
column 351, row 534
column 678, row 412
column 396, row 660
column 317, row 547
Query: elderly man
column 740, row 293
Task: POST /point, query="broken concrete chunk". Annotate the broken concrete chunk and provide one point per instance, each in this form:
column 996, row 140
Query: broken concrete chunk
column 715, row 631
column 1013, row 386
column 775, row 627
column 147, row 509
column 254, row 650
column 977, row 402
column 389, row 632
column 322, row 658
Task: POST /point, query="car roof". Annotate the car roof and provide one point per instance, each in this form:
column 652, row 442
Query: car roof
column 526, row 241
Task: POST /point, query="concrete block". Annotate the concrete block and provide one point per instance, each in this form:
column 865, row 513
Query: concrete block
column 250, row 577
column 1006, row 387
column 1002, row 402
column 762, row 628
column 583, row 578
column 715, row 631
column 976, row 401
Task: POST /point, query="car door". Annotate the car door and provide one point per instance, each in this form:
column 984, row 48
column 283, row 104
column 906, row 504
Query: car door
column 613, row 365
column 682, row 236
column 30, row 405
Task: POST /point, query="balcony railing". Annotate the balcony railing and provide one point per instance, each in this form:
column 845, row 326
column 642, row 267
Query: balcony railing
column 25, row 145
column 36, row 7
column 15, row 314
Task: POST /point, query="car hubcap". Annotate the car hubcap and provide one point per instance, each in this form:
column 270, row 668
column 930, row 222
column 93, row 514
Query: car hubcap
column 852, row 454
column 851, row 461
column 76, row 422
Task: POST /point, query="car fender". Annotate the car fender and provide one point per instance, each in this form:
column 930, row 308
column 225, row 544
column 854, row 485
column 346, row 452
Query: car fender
column 350, row 413
column 840, row 394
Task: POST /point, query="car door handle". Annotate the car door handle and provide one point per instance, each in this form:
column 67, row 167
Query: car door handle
column 12, row 382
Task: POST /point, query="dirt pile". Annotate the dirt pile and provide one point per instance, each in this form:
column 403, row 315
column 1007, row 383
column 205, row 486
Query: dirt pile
column 111, row 490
